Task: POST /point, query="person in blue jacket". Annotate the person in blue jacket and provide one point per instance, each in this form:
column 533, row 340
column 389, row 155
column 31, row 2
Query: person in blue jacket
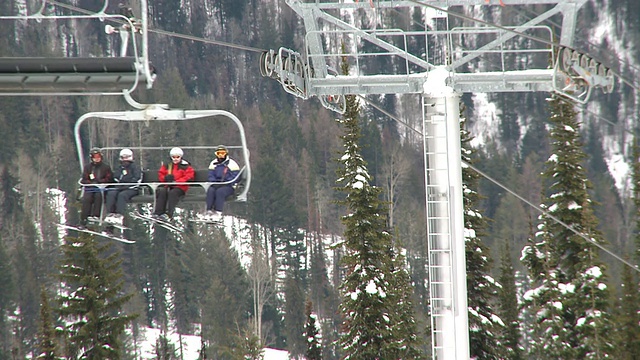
column 223, row 170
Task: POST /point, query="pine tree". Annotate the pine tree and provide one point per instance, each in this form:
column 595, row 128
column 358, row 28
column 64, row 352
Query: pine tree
column 325, row 299
column 46, row 336
column 10, row 198
column 92, row 303
column 294, row 252
column 294, row 314
column 376, row 307
column 7, row 297
column 184, row 285
column 244, row 346
column 627, row 329
column 164, row 349
column 28, row 299
column 635, row 176
column 225, row 304
column 482, row 290
column 312, row 334
column 569, row 292
column 508, row 302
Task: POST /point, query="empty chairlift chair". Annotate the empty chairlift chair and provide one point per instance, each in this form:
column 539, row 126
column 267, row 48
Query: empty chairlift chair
column 109, row 74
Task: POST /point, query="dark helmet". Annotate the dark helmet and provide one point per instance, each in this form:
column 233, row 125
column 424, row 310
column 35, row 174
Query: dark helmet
column 93, row 153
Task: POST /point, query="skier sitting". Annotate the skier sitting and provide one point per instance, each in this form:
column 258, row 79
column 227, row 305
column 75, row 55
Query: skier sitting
column 178, row 170
column 96, row 172
column 128, row 173
column 222, row 169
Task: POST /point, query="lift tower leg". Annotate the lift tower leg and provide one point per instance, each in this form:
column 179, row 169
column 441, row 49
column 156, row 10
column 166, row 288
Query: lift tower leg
column 445, row 227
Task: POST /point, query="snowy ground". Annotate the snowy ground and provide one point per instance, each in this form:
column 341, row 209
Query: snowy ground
column 190, row 346
column 237, row 231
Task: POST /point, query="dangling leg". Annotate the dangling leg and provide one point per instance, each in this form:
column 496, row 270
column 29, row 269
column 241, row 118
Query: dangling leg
column 211, row 197
column 111, row 197
column 124, row 197
column 87, row 203
column 221, row 196
column 161, row 200
column 97, row 204
column 174, row 197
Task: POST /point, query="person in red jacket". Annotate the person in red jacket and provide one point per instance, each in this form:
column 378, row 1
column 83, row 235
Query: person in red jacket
column 178, row 170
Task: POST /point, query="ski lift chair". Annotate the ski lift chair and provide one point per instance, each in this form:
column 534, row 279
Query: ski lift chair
column 150, row 182
column 103, row 75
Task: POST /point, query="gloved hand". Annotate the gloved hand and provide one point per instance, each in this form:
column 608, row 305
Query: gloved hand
column 169, row 178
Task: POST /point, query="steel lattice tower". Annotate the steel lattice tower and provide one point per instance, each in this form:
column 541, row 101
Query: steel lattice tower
column 438, row 59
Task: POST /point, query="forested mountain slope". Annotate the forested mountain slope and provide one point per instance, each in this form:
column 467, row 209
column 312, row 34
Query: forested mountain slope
column 293, row 146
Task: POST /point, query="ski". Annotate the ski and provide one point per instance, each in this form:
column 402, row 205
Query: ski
column 118, row 226
column 201, row 219
column 207, row 222
column 103, row 234
column 151, row 219
column 106, row 224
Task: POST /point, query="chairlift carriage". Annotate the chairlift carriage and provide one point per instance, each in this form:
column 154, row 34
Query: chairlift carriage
column 150, row 156
column 35, row 74
column 120, row 73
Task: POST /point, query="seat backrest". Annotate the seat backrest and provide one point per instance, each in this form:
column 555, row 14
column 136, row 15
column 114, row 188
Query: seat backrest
column 149, row 176
column 201, row 175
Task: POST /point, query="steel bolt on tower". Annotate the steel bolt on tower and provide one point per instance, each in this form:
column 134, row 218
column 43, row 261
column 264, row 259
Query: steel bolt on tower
column 439, row 62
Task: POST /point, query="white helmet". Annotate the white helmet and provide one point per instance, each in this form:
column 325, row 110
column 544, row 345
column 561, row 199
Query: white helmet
column 126, row 154
column 176, row 151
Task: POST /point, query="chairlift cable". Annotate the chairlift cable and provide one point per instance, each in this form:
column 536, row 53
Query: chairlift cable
column 242, row 47
column 208, row 41
column 583, row 108
column 418, row 2
column 455, row 14
column 590, row 45
column 170, row 33
column 504, row 187
column 549, row 215
column 530, row 37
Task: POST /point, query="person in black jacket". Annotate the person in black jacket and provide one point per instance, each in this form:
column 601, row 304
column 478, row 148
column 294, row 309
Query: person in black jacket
column 127, row 173
column 96, row 172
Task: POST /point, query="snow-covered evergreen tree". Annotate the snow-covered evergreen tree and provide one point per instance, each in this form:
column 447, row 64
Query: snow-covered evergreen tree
column 482, row 289
column 376, row 293
column 46, row 335
column 628, row 331
column 508, row 307
column 312, row 334
column 635, row 176
column 92, row 305
column 627, row 339
column 568, row 284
